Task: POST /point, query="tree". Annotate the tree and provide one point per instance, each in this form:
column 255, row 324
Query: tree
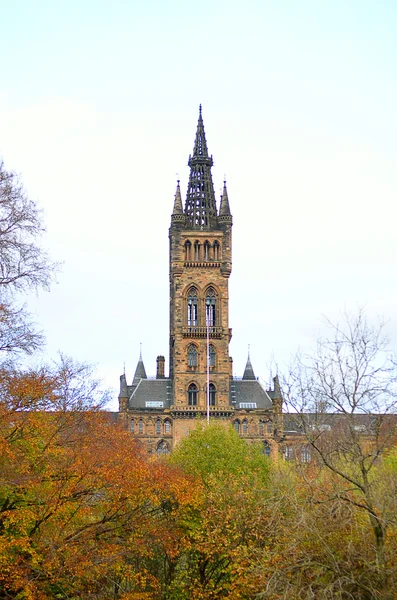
column 231, row 522
column 81, row 506
column 344, row 397
column 23, row 264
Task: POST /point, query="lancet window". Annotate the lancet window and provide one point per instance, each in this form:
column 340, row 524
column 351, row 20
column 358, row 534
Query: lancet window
column 216, row 250
column 140, row 425
column 132, row 426
column 188, row 250
column 167, row 426
column 236, row 425
column 212, row 356
column 196, row 250
column 212, row 395
column 192, row 307
column 245, row 426
column 206, row 250
column 210, row 307
column 158, row 426
column 192, row 394
column 192, row 356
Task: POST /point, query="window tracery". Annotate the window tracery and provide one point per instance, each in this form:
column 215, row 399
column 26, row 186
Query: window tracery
column 192, row 356
column 192, row 307
column 210, row 307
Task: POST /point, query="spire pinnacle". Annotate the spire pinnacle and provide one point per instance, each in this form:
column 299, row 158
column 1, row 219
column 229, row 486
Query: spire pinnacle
column 140, row 371
column 200, row 208
column 178, row 208
column 224, row 209
column 249, row 371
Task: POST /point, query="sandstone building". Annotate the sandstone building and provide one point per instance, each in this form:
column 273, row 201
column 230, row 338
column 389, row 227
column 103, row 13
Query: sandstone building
column 160, row 411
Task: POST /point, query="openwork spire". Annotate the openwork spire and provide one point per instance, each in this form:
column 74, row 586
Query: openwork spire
column 200, row 208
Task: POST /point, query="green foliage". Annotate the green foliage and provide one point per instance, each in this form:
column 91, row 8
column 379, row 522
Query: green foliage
column 216, row 451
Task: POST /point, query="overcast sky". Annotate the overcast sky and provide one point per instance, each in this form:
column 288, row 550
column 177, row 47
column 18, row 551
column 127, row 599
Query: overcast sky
column 98, row 112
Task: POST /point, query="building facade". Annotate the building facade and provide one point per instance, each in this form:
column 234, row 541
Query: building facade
column 160, row 411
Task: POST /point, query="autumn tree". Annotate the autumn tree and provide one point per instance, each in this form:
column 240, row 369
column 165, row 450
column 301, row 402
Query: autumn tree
column 80, row 504
column 344, row 397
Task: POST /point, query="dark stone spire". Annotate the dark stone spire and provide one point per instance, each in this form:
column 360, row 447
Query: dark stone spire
column 200, row 208
column 140, row 372
column 224, row 209
column 249, row 371
column 178, row 218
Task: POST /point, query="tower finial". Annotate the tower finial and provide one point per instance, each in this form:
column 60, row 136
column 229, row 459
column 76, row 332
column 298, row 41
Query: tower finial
column 140, row 350
column 200, row 110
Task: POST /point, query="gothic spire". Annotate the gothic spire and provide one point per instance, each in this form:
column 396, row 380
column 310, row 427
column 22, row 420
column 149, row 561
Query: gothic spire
column 200, row 207
column 140, row 371
column 224, row 209
column 178, row 208
column 249, row 371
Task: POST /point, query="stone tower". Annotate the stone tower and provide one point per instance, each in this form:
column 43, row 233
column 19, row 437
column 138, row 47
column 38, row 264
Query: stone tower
column 160, row 411
column 200, row 266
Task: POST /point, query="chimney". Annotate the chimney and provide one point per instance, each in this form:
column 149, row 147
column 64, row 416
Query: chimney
column 160, row 367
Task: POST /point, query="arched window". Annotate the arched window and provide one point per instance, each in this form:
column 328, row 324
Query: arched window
column 210, row 307
column 158, row 426
column 167, row 426
column 188, row 248
column 236, row 425
column 140, row 425
column 212, row 394
column 162, row 447
column 132, row 426
column 216, row 250
column 261, row 427
column 196, row 250
column 245, row 426
column 266, row 449
column 192, row 394
column 192, row 307
column 212, row 356
column 206, row 250
column 192, row 356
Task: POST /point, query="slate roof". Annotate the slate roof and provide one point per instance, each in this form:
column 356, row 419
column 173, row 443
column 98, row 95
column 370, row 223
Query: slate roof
column 152, row 390
column 247, row 390
column 249, row 370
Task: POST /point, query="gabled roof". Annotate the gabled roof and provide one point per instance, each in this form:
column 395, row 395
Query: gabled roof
column 248, row 391
column 151, row 391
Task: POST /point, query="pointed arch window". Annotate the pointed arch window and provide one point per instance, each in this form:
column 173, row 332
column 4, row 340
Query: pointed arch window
column 140, row 425
column 236, row 425
column 210, row 307
column 206, row 250
column 192, row 394
column 167, row 426
column 212, row 394
column 266, row 449
column 192, row 356
column 192, row 307
column 212, row 356
column 162, row 448
column 132, row 426
column 196, row 250
column 216, row 250
column 158, row 426
column 245, row 426
column 188, row 249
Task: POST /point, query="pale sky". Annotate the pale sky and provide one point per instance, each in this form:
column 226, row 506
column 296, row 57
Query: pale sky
column 98, row 112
